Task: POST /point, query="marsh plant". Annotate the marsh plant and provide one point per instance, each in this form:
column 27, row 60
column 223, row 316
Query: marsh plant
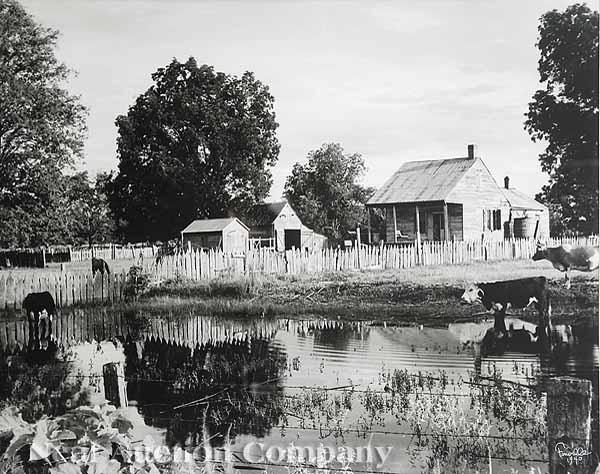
column 459, row 423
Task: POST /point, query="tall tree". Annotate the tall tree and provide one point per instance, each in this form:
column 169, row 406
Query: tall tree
column 82, row 213
column 41, row 125
column 565, row 114
column 325, row 191
column 197, row 143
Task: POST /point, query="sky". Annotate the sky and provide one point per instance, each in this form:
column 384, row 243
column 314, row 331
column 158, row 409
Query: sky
column 395, row 81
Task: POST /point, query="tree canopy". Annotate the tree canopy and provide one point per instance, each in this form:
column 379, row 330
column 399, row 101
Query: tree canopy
column 42, row 126
column 325, row 191
column 196, row 144
column 565, row 115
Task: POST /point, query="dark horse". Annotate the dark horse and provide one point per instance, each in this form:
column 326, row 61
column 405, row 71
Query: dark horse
column 40, row 310
column 99, row 265
column 168, row 249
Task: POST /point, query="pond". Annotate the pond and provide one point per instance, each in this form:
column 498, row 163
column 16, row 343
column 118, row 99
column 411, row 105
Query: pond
column 345, row 395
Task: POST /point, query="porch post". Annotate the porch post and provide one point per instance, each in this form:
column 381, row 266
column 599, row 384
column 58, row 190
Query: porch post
column 446, row 224
column 368, row 225
column 418, row 233
column 395, row 224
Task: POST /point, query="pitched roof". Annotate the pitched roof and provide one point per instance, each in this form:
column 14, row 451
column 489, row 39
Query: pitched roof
column 265, row 213
column 420, row 181
column 519, row 200
column 210, row 225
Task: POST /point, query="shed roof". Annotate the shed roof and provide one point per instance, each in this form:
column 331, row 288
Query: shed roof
column 421, row 181
column 265, row 213
column 210, row 225
column 519, row 200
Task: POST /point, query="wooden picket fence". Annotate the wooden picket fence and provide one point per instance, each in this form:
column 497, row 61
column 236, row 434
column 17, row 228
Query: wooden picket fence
column 113, row 252
column 66, row 288
column 203, row 264
column 82, row 288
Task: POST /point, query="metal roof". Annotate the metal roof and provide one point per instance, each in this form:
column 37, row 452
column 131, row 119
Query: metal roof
column 519, row 200
column 265, row 213
column 422, row 181
column 210, row 225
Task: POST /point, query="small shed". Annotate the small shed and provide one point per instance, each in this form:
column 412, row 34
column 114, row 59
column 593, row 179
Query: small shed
column 277, row 225
column 228, row 234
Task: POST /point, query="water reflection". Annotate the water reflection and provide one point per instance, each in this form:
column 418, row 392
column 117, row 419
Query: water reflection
column 176, row 385
column 233, row 381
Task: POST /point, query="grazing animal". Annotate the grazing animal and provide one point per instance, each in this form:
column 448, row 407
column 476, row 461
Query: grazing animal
column 501, row 295
column 99, row 265
column 165, row 251
column 566, row 258
column 40, row 310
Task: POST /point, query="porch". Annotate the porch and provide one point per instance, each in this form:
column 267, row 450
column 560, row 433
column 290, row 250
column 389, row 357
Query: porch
column 431, row 221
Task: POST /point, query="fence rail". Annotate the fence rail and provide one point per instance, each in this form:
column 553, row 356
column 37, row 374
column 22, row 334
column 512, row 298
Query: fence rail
column 83, row 288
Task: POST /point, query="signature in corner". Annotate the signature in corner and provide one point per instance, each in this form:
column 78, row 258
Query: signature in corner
column 573, row 455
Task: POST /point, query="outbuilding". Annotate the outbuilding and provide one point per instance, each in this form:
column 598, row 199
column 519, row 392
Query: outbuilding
column 277, row 225
column 455, row 199
column 227, row 234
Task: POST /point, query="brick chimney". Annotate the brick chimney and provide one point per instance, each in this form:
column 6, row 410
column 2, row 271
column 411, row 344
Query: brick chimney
column 471, row 150
column 506, row 181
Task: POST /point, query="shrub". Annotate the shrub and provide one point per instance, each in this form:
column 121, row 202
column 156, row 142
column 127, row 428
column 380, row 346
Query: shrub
column 137, row 283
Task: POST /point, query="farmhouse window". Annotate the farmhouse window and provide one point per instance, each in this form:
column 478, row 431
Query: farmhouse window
column 492, row 219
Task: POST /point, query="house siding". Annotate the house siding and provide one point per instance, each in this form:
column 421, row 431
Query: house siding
column 233, row 238
column 478, row 192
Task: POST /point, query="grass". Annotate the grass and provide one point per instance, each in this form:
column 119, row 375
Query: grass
column 423, row 295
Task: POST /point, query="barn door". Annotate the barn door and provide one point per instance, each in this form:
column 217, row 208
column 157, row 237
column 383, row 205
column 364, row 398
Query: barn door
column 292, row 239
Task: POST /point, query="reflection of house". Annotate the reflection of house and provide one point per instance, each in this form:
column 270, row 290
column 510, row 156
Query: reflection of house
column 228, row 234
column 455, row 199
column 277, row 225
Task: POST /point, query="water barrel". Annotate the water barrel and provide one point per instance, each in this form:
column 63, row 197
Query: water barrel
column 518, row 227
column 525, row 227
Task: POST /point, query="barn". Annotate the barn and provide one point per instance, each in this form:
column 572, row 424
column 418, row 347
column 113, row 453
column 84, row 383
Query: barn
column 455, row 199
column 228, row 234
column 277, row 225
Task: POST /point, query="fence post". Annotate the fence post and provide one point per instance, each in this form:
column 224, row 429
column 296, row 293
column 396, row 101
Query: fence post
column 358, row 245
column 114, row 384
column 569, row 425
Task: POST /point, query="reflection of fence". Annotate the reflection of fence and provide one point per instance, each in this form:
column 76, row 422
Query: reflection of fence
column 79, row 325
column 200, row 264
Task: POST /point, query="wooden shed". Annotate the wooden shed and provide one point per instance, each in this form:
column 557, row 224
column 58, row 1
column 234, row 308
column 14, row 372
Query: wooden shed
column 449, row 199
column 228, row 234
column 277, row 225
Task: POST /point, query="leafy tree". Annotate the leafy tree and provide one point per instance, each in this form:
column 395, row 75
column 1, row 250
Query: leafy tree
column 85, row 216
column 196, row 144
column 325, row 193
column 565, row 114
column 41, row 124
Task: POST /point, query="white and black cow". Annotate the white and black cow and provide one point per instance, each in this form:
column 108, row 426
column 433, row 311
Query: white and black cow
column 40, row 310
column 502, row 295
column 566, row 258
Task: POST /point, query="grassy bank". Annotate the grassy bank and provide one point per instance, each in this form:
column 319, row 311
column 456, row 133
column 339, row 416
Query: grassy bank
column 422, row 295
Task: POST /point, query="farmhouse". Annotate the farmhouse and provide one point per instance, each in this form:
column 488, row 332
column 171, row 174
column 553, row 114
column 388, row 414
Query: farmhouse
column 276, row 225
column 455, row 199
column 228, row 234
